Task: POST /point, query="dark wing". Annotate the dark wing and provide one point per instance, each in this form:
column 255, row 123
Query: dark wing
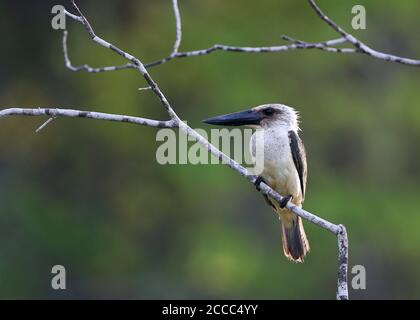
column 299, row 158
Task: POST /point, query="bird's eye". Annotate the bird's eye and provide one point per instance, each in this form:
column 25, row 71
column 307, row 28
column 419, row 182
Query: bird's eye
column 268, row 111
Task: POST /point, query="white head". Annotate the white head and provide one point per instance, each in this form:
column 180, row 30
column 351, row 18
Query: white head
column 263, row 116
column 277, row 115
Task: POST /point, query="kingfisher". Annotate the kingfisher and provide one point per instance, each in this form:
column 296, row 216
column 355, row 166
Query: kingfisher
column 284, row 169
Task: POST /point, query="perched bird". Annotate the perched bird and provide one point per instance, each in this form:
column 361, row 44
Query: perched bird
column 284, row 168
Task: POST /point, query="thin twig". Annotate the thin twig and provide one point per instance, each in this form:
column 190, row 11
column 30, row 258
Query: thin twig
column 46, row 123
column 178, row 27
column 221, row 47
column 325, row 46
column 331, row 23
column 359, row 46
column 86, row 67
column 145, row 88
column 73, row 16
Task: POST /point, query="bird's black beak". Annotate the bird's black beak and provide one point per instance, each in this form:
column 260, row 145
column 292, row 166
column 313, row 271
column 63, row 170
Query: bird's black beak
column 242, row 118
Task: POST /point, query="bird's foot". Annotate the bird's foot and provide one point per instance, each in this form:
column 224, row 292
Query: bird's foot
column 258, row 182
column 285, row 201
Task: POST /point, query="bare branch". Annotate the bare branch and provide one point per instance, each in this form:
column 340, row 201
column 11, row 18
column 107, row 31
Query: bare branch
column 138, row 64
column 359, row 46
column 328, row 46
column 177, row 27
column 331, row 23
column 73, row 16
column 72, row 113
column 86, row 67
column 221, row 47
column 343, row 260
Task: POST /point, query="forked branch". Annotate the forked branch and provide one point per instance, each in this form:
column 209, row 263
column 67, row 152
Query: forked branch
column 332, row 46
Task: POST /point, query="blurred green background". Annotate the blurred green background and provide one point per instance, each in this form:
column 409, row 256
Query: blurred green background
column 90, row 195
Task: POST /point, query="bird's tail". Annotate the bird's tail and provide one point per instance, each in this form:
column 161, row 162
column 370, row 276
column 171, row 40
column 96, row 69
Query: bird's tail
column 295, row 243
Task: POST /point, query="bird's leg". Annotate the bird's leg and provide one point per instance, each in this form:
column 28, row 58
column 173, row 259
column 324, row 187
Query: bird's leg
column 258, row 182
column 285, row 200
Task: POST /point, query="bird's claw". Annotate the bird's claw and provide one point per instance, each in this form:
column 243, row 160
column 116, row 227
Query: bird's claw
column 285, row 201
column 258, row 182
